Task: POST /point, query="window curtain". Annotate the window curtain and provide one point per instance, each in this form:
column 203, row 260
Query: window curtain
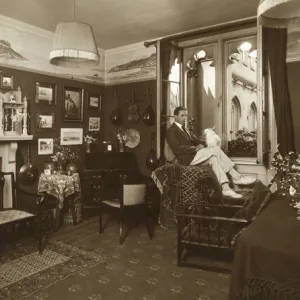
column 194, row 96
column 169, row 52
column 275, row 47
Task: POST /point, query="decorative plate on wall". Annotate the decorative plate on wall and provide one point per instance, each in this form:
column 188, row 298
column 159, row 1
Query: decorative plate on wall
column 133, row 138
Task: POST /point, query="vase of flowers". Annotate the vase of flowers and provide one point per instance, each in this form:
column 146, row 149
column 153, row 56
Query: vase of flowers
column 121, row 138
column 89, row 139
column 62, row 155
column 60, row 167
column 287, row 177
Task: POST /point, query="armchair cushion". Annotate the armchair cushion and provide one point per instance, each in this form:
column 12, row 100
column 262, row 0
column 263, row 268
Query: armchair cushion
column 12, row 215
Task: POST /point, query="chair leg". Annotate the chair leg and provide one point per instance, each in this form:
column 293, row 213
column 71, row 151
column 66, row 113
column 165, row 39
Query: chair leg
column 179, row 245
column 100, row 222
column 121, row 228
column 149, row 224
column 40, row 234
column 135, row 217
column 57, row 218
column 74, row 213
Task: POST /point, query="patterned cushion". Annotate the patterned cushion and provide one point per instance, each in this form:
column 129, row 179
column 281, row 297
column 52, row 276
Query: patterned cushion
column 11, row 215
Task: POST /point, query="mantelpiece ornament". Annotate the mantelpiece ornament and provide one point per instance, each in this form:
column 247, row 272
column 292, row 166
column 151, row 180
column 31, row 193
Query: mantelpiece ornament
column 13, row 116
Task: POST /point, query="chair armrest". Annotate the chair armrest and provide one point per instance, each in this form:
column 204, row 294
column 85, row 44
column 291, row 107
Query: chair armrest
column 216, row 218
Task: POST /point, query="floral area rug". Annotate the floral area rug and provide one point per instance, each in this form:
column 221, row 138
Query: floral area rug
column 23, row 271
column 140, row 269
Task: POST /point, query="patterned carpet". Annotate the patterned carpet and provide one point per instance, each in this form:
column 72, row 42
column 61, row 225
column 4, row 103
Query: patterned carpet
column 140, row 269
column 23, row 271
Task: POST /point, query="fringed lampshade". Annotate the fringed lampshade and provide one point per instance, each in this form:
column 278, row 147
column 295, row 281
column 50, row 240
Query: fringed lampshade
column 74, row 46
column 279, row 13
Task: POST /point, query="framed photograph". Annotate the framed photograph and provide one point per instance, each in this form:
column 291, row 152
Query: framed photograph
column 94, row 124
column 71, row 136
column 7, row 82
column 45, row 93
column 45, row 121
column 45, row 146
column 73, row 104
column 94, row 101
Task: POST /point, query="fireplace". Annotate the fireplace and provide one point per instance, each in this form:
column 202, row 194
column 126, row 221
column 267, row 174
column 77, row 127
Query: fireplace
column 8, row 149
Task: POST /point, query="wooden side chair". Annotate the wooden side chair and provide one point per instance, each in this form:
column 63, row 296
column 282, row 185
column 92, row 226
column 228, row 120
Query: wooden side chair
column 132, row 195
column 10, row 217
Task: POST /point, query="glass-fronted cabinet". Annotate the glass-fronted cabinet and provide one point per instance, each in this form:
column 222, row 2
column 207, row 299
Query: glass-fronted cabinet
column 13, row 113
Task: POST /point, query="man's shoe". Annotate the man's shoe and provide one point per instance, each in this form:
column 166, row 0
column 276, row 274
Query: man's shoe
column 244, row 181
column 232, row 194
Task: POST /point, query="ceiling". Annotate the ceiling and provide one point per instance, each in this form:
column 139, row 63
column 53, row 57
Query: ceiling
column 122, row 22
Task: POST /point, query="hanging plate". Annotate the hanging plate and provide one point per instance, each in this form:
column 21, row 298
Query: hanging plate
column 133, row 138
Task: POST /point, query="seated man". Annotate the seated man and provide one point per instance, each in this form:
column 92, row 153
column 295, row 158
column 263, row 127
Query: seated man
column 191, row 150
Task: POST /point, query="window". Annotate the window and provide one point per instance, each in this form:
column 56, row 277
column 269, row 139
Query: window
column 220, row 89
column 252, row 119
column 241, row 92
column 235, row 117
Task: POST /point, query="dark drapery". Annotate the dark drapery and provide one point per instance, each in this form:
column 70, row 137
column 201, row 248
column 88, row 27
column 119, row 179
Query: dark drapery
column 275, row 47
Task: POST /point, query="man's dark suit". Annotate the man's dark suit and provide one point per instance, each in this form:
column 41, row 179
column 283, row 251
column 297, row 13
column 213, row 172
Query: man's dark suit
column 182, row 144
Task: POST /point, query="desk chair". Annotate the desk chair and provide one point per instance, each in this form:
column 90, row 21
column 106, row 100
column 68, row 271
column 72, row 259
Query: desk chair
column 130, row 195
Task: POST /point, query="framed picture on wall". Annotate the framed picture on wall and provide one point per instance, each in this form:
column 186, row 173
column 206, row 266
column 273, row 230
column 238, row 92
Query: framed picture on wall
column 45, row 146
column 71, row 136
column 7, row 82
column 45, row 121
column 94, row 124
column 94, row 101
column 73, row 104
column 45, row 93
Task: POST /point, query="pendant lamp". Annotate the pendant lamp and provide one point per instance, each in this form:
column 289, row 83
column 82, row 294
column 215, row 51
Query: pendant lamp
column 74, row 45
column 279, row 13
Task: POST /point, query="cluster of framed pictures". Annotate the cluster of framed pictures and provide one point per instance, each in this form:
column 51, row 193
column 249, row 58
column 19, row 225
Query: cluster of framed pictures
column 45, row 122
column 72, row 100
column 68, row 136
column 72, row 111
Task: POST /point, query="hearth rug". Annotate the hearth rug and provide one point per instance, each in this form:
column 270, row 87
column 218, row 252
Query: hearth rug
column 23, row 271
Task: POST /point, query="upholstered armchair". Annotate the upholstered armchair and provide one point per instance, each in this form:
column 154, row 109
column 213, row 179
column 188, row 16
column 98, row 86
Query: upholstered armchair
column 11, row 217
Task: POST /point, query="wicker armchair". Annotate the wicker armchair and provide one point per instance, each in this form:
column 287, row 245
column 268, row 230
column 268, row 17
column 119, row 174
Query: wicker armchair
column 207, row 223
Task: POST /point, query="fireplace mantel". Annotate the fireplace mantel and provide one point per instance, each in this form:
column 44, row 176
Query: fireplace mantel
column 8, row 149
column 15, row 138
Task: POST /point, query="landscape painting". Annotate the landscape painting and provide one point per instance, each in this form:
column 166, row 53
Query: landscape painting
column 293, row 45
column 131, row 65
